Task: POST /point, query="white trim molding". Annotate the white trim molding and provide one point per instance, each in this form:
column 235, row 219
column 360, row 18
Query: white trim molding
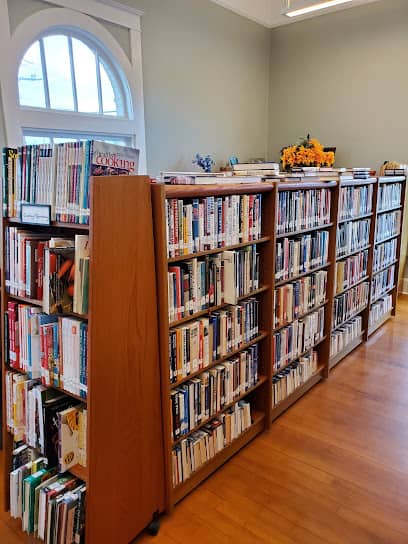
column 28, row 31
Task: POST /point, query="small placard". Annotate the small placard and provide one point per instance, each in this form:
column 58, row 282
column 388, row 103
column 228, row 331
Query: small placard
column 36, row 214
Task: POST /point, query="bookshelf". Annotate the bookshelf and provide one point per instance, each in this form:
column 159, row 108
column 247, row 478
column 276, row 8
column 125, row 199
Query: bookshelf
column 124, row 472
column 354, row 228
column 385, row 237
column 259, row 392
column 320, row 274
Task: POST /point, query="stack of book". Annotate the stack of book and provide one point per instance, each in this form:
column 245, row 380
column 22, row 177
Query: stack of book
column 385, row 254
column 389, row 196
column 195, row 345
column 59, row 176
column 355, row 201
column 382, row 282
column 380, row 308
column 201, row 446
column 201, row 398
column 264, row 169
column 388, row 225
column 352, row 237
column 292, row 377
column 294, row 299
column 350, row 303
column 295, row 256
column 361, row 173
column 292, row 341
column 344, row 335
column 46, row 420
column 200, row 224
column 351, row 270
column 197, row 284
column 212, row 178
column 299, row 210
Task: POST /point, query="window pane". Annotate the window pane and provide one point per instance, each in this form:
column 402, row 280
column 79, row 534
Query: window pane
column 108, row 94
column 32, row 140
column 58, row 72
column 30, row 78
column 85, row 76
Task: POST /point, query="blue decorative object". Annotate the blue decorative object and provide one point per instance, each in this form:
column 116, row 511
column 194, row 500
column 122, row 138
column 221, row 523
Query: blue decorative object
column 204, row 162
column 233, row 160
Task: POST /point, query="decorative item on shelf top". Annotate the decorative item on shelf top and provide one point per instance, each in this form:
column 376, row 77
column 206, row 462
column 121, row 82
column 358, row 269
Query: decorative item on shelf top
column 392, row 168
column 206, row 163
column 308, row 152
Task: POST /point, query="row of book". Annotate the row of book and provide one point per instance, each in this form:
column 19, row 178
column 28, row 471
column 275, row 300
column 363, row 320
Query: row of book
column 195, row 345
column 355, row 201
column 349, row 303
column 47, row 420
column 293, row 376
column 59, row 176
column 351, row 270
column 201, row 398
column 352, row 237
column 389, row 196
column 299, row 210
column 382, row 282
column 200, row 447
column 201, row 224
column 385, row 254
column 294, row 299
column 343, row 336
column 301, row 335
column 51, row 506
column 209, row 281
column 53, row 270
column 379, row 309
column 295, row 256
column 388, row 224
column 47, row 347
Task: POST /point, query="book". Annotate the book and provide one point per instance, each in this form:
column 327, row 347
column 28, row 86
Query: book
column 355, row 201
column 58, row 279
column 300, row 210
column 69, row 441
column 292, row 377
column 388, row 225
column 352, row 236
column 345, row 335
column 81, row 276
column 379, row 309
column 350, row 303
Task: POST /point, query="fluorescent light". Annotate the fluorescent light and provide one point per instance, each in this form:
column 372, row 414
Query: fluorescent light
column 315, row 7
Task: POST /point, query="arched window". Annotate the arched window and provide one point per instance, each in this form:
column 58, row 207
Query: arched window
column 67, row 72
column 67, row 77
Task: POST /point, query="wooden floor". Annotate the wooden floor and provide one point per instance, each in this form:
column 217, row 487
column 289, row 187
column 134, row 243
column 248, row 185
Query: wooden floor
column 332, row 469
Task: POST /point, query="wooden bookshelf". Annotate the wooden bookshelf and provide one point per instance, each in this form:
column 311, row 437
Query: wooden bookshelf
column 355, row 184
column 371, row 327
column 260, row 394
column 124, row 474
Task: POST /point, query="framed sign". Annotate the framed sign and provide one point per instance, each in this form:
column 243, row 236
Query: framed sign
column 36, row 214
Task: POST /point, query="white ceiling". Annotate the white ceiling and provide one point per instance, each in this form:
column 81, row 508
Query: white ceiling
column 269, row 12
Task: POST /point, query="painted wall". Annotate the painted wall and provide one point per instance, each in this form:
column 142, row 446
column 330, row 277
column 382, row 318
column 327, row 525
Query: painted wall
column 343, row 78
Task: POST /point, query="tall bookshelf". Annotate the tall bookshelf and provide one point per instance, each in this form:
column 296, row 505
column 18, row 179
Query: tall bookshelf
column 124, row 473
column 320, row 343
column 384, row 267
column 259, row 394
column 356, row 224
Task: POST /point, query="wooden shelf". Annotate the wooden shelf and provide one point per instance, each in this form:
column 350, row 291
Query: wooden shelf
column 259, row 338
column 297, row 394
column 54, row 225
column 391, row 179
column 358, row 182
column 392, row 209
column 197, row 191
column 375, row 272
column 218, row 250
column 294, row 278
column 261, row 381
column 362, row 280
column 379, row 323
column 351, row 253
column 302, row 316
column 303, row 231
column 279, row 370
column 211, row 309
column 39, row 303
column 391, row 237
column 79, row 472
column 305, row 185
column 352, row 219
column 345, row 351
column 258, row 425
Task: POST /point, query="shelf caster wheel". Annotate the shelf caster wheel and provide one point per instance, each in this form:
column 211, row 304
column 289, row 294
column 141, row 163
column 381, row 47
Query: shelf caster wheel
column 154, row 526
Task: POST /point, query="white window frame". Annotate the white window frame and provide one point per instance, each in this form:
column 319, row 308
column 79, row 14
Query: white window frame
column 17, row 117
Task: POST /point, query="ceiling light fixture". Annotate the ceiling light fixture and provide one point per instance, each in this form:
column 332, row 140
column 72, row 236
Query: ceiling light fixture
column 315, row 7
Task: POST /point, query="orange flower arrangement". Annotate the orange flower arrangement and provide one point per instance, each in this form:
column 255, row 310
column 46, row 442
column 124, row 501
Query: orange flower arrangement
column 309, row 152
